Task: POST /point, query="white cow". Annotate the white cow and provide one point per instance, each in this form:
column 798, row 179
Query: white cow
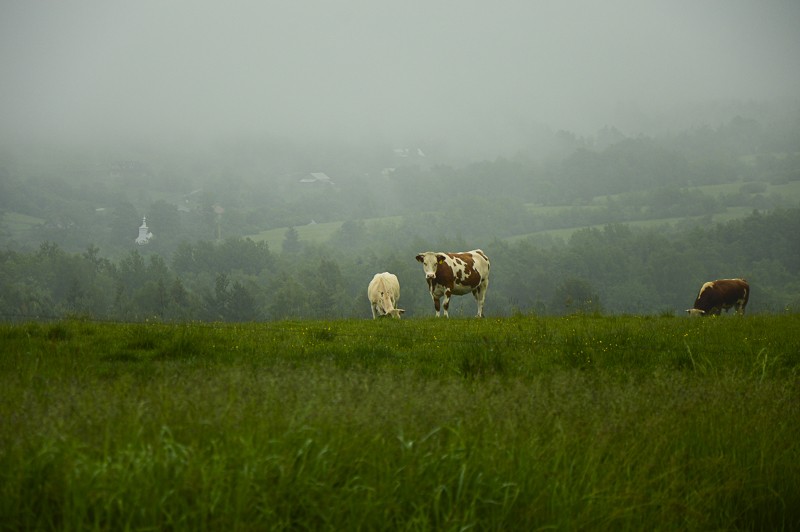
column 383, row 292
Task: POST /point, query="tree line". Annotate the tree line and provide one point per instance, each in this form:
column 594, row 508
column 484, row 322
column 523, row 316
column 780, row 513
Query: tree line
column 616, row 269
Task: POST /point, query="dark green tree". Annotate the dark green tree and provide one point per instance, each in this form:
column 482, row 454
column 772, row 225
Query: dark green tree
column 183, row 259
column 330, row 291
column 289, row 299
column 241, row 304
column 291, row 240
column 575, row 295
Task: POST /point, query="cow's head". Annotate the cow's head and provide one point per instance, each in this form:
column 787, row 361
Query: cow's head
column 395, row 312
column 430, row 261
column 695, row 312
column 387, row 307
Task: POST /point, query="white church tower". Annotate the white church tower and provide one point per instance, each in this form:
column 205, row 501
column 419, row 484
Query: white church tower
column 144, row 233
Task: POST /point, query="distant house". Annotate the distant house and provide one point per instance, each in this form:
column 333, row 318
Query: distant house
column 317, row 177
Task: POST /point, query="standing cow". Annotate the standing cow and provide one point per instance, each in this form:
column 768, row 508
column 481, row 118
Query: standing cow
column 456, row 274
column 721, row 294
column 383, row 292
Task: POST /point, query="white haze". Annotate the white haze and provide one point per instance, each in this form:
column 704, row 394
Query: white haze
column 474, row 73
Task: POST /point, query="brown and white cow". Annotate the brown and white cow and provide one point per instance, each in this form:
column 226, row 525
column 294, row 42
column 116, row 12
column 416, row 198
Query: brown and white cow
column 455, row 274
column 722, row 294
column 383, row 292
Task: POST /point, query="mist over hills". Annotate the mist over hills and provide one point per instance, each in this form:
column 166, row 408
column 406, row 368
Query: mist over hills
column 473, row 77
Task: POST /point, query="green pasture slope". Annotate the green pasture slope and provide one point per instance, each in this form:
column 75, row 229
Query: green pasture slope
column 18, row 224
column 523, row 423
column 731, row 213
column 789, row 192
column 316, row 233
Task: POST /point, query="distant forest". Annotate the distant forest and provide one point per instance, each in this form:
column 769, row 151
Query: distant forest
column 70, row 217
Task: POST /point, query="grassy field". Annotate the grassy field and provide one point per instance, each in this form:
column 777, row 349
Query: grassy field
column 731, row 213
column 321, row 232
column 315, row 233
column 788, row 191
column 524, row 423
column 17, row 223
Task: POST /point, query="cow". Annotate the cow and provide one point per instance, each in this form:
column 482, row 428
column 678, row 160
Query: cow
column 455, row 274
column 383, row 292
column 721, row 294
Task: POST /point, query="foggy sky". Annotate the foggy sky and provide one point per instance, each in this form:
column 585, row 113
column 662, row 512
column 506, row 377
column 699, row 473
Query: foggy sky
column 375, row 69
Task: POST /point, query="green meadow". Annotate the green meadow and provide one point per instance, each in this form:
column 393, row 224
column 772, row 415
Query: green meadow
column 522, row 423
column 316, row 233
column 18, row 224
column 730, row 213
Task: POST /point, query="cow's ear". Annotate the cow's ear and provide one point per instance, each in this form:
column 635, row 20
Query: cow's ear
column 419, row 257
column 440, row 259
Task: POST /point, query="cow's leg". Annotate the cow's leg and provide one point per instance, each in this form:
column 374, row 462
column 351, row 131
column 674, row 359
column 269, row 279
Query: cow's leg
column 446, row 303
column 480, row 297
column 372, row 308
column 436, row 304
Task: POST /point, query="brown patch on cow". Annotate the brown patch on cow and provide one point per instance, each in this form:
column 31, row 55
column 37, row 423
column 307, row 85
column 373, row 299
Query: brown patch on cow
column 466, row 258
column 444, row 276
column 474, row 278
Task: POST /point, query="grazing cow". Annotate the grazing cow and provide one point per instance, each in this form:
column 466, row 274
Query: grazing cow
column 721, row 294
column 456, row 274
column 383, row 292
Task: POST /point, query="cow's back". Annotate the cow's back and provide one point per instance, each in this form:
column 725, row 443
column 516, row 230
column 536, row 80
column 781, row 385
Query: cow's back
column 481, row 262
column 384, row 282
column 375, row 287
column 392, row 285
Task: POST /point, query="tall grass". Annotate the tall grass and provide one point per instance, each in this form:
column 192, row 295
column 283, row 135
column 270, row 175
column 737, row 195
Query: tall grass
column 584, row 422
